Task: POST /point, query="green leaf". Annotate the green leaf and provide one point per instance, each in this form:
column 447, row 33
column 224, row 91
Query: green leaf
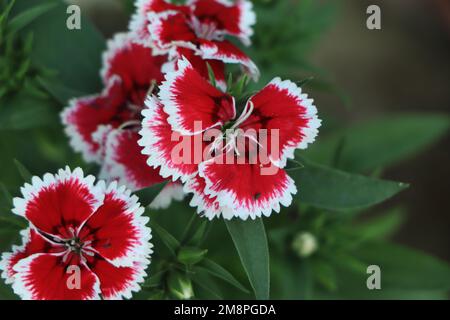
column 250, row 240
column 191, row 255
column 147, row 195
column 200, row 233
column 154, row 280
column 23, row 111
column 24, row 173
column 26, row 17
column 4, row 15
column 202, row 279
column 211, row 75
column 14, row 220
column 5, row 195
column 325, row 274
column 218, row 271
column 58, row 91
column 379, row 227
column 169, row 241
column 404, row 268
column 380, row 142
column 75, row 54
column 337, row 190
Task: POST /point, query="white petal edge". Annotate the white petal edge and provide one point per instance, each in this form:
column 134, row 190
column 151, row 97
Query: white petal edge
column 142, row 251
column 170, row 106
column 29, row 191
column 22, row 268
column 6, row 256
column 76, row 140
column 314, row 123
column 149, row 141
column 228, row 198
column 211, row 51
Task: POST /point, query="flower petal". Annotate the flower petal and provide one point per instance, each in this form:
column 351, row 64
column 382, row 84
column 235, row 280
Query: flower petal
column 84, row 115
column 230, row 18
column 160, row 144
column 246, row 188
column 44, row 276
column 282, row 106
column 171, row 29
column 133, row 63
column 206, row 205
column 199, row 64
column 119, row 282
column 139, row 21
column 228, row 53
column 117, row 230
column 125, row 163
column 59, row 204
column 192, row 103
column 32, row 242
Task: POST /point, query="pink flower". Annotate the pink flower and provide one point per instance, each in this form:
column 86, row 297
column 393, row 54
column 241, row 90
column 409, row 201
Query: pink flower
column 197, row 31
column 247, row 186
column 104, row 127
column 94, row 229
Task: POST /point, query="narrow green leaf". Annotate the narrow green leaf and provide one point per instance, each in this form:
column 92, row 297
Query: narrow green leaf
column 6, row 196
column 191, row 255
column 380, row 142
column 24, row 111
column 199, row 233
column 218, row 271
column 147, row 195
column 205, row 282
column 59, row 91
column 212, row 76
column 26, row 17
column 379, row 227
column 4, row 15
column 337, row 190
column 84, row 47
column 229, row 81
column 169, row 240
column 23, row 171
column 154, row 280
column 404, row 268
column 250, row 240
column 14, row 220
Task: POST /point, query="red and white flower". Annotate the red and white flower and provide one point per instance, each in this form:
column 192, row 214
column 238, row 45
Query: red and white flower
column 248, row 186
column 96, row 229
column 104, row 127
column 197, row 31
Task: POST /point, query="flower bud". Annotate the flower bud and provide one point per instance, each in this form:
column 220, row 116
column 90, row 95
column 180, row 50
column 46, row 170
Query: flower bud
column 305, row 244
column 180, row 286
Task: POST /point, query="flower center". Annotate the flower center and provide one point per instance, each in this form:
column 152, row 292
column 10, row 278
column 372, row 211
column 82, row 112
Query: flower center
column 75, row 245
column 233, row 135
column 205, row 30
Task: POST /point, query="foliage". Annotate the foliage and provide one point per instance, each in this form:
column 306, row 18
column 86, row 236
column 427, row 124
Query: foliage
column 42, row 65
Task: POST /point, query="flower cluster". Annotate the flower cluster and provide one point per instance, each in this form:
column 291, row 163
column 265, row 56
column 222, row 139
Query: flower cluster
column 197, row 31
column 85, row 240
column 163, row 87
column 104, row 127
column 233, row 181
